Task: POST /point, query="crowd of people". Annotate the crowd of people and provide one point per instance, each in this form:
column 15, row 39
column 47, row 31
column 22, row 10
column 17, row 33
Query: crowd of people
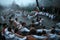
column 15, row 30
column 51, row 16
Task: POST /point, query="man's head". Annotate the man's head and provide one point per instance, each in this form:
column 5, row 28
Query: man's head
column 16, row 19
column 5, row 25
column 23, row 24
column 9, row 29
column 53, row 31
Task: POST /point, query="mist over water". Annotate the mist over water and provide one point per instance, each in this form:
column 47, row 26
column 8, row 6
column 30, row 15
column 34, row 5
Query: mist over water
column 25, row 3
column 18, row 2
column 6, row 2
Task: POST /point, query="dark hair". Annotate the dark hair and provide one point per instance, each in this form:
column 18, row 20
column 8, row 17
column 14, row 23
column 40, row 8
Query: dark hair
column 32, row 21
column 53, row 31
column 39, row 33
column 9, row 29
column 37, row 19
column 23, row 24
column 16, row 19
column 53, row 27
column 16, row 30
column 5, row 25
column 10, row 17
column 43, row 32
column 33, row 32
column 40, row 18
column 32, row 25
